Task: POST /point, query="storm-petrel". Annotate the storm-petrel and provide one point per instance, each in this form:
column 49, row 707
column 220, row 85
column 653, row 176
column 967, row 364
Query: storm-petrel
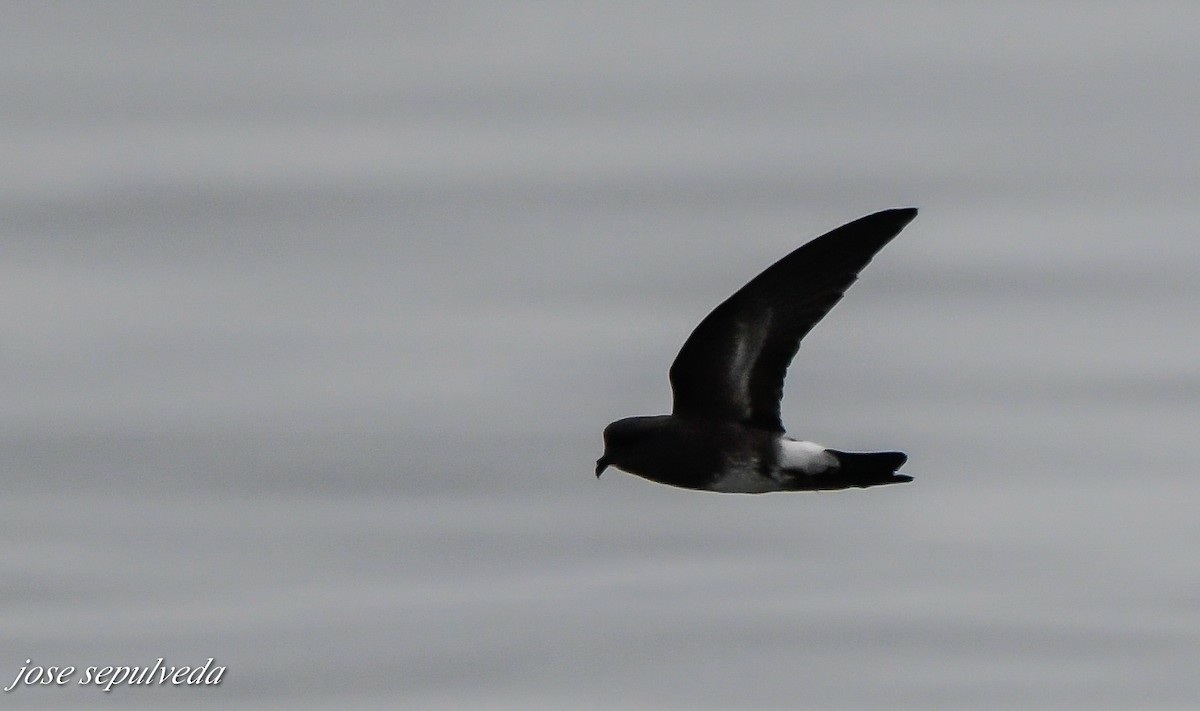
column 724, row 432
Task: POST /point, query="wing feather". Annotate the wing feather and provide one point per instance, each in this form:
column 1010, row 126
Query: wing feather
column 733, row 364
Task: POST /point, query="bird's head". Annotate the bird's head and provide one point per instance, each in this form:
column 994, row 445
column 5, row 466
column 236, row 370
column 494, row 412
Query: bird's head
column 624, row 440
column 606, row 459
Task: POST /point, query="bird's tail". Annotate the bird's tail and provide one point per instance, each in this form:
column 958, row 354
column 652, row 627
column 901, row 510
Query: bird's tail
column 863, row 469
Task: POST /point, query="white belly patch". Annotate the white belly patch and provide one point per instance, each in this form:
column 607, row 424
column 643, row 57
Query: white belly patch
column 745, row 481
column 807, row 457
column 743, row 475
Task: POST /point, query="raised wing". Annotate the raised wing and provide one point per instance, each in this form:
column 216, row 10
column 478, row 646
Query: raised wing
column 733, row 365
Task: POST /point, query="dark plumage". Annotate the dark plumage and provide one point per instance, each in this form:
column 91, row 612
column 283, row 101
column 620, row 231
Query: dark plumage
column 724, row 432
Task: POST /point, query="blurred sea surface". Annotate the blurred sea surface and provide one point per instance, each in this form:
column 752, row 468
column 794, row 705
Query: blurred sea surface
column 314, row 314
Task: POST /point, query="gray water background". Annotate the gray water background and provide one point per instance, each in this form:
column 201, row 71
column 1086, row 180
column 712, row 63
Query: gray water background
column 313, row 315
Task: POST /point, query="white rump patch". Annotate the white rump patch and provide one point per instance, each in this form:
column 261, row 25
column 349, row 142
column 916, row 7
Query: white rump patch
column 807, row 457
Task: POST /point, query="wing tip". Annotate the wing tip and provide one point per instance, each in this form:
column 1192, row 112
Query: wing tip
column 879, row 228
column 899, row 215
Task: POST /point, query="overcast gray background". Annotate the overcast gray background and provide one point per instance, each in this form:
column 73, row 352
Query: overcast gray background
column 313, row 315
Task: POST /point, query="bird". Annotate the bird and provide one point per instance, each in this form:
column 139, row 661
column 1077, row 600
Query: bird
column 725, row 433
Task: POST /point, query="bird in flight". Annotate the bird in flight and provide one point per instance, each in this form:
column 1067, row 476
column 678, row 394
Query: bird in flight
column 724, row 432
